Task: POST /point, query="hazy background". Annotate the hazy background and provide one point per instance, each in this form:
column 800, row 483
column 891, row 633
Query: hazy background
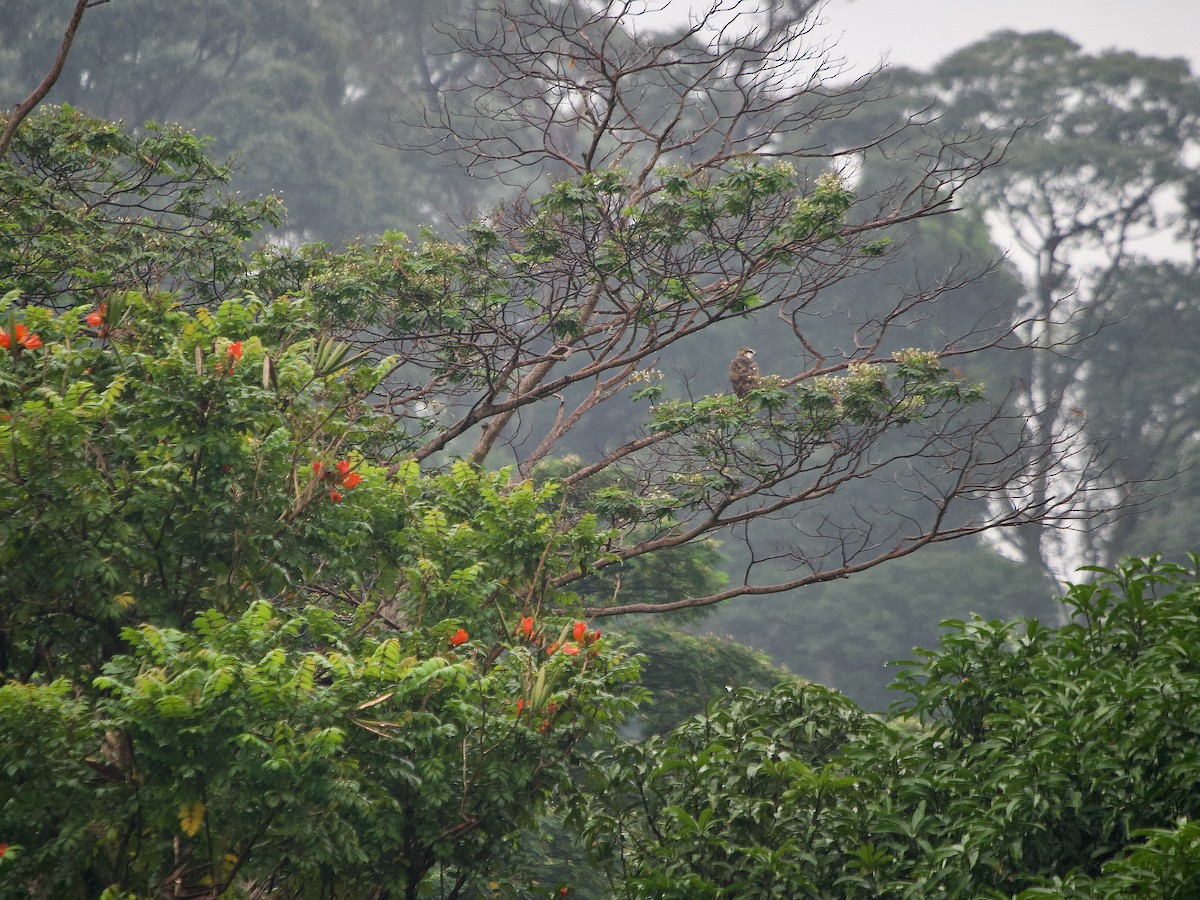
column 918, row 33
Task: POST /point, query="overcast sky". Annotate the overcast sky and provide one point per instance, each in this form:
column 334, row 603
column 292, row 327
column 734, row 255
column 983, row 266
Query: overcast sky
column 918, row 33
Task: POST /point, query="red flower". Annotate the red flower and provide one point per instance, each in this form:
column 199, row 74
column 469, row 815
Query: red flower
column 570, row 649
column 318, row 469
column 343, row 467
column 459, row 637
column 520, row 705
column 335, row 496
column 96, row 317
column 24, row 338
column 3, row 849
column 526, row 627
column 351, row 480
column 579, row 631
column 233, row 352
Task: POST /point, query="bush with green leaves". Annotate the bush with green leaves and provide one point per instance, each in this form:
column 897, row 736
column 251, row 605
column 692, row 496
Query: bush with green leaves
column 1025, row 761
column 281, row 750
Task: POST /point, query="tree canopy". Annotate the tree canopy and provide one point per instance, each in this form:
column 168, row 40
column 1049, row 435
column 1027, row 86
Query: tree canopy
column 304, row 547
column 1039, row 762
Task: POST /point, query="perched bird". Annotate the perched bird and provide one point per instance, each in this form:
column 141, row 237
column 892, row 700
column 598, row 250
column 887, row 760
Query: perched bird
column 743, row 372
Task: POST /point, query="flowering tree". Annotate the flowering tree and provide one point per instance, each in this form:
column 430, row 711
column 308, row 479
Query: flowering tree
column 239, row 653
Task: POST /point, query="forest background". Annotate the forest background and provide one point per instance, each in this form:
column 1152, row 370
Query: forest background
column 1096, row 205
column 321, row 108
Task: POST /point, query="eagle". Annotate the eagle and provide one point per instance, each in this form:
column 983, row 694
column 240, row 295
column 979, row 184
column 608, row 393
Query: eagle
column 743, row 372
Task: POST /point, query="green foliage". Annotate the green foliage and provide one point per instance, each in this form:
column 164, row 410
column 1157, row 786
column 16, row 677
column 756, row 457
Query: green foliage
column 150, row 446
column 94, row 210
column 246, row 640
column 684, row 672
column 287, row 748
column 1054, row 763
column 1166, row 865
column 734, row 803
column 180, row 467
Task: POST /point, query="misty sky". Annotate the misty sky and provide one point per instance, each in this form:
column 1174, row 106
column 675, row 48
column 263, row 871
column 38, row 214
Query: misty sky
column 918, row 33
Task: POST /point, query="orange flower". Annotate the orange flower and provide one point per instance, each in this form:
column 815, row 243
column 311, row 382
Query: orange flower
column 579, row 631
column 570, row 649
column 335, row 496
column 233, row 353
column 520, row 705
column 526, row 627
column 318, row 469
column 96, row 317
column 24, row 338
column 459, row 637
column 351, row 480
column 343, row 467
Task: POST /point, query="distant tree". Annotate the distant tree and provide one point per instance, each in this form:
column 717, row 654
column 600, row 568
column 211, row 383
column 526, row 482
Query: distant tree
column 306, row 96
column 1097, row 187
column 850, row 632
column 26, row 106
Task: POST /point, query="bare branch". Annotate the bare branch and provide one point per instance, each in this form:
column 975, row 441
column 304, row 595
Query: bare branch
column 26, row 106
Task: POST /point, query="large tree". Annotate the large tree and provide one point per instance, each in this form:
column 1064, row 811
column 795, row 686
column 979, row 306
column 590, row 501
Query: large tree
column 701, row 203
column 183, row 489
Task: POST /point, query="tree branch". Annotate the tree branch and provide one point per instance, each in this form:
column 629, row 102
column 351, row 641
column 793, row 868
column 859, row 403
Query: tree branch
column 26, row 106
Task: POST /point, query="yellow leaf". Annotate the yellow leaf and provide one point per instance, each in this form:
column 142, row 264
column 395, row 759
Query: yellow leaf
column 191, row 817
column 125, row 600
